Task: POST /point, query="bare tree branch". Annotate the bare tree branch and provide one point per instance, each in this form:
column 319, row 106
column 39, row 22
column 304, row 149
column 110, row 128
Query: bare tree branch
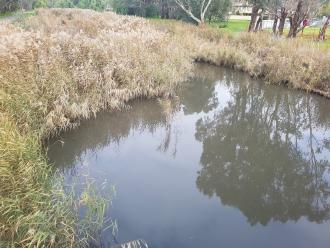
column 187, row 8
column 188, row 11
column 207, row 6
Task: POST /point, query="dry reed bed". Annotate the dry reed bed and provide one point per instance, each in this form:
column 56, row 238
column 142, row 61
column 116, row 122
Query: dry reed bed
column 70, row 64
column 58, row 67
column 293, row 62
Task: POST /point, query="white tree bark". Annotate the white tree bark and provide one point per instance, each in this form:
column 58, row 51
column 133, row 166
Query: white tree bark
column 186, row 7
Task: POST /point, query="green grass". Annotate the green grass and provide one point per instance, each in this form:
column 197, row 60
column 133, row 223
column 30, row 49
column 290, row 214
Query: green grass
column 311, row 34
column 238, row 26
column 232, row 26
column 5, row 15
column 325, row 44
column 17, row 14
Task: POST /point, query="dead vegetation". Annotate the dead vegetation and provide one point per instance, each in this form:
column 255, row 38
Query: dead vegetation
column 69, row 64
column 294, row 62
column 56, row 68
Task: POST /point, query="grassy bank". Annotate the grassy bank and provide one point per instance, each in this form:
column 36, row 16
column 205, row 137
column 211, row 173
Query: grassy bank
column 294, row 62
column 56, row 68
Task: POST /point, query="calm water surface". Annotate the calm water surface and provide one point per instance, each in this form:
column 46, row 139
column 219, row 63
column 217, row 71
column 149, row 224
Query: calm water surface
column 238, row 164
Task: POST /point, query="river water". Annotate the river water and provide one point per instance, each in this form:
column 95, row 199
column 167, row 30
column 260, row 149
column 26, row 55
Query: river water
column 236, row 163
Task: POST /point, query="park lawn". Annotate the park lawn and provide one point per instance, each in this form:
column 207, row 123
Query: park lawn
column 238, row 26
column 325, row 44
column 17, row 15
column 3, row 15
column 232, row 26
column 311, row 34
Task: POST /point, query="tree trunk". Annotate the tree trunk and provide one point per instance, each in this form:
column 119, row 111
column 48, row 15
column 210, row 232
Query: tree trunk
column 164, row 12
column 201, row 23
column 296, row 20
column 323, row 30
column 254, row 17
column 275, row 24
column 284, row 15
column 259, row 23
column 293, row 28
column 188, row 11
column 202, row 19
column 203, row 12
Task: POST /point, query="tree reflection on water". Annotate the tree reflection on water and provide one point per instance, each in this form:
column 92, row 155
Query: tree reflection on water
column 261, row 154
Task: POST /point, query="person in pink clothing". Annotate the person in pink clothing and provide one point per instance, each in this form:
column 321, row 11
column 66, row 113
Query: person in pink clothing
column 305, row 24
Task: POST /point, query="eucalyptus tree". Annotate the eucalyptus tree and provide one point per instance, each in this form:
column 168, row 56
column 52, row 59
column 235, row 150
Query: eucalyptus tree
column 188, row 5
column 295, row 11
column 325, row 11
column 281, row 9
column 219, row 10
column 258, row 8
column 285, row 8
column 304, row 9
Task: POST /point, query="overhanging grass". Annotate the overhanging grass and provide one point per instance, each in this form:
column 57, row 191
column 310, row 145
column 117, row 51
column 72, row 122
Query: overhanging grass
column 57, row 68
column 32, row 210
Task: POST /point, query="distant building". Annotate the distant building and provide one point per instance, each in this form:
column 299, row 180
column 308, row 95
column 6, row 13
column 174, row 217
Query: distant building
column 108, row 8
column 241, row 7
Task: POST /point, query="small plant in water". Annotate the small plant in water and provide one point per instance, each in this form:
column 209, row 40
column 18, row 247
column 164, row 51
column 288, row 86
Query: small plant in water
column 91, row 202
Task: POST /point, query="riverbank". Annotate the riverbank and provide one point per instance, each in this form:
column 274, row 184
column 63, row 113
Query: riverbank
column 64, row 65
column 296, row 63
column 56, row 68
